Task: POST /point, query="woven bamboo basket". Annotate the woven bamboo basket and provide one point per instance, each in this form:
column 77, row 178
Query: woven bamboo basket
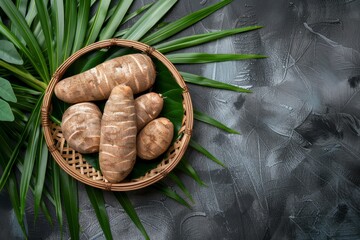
column 75, row 163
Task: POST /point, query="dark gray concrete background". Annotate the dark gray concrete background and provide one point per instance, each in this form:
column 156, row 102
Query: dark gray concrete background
column 294, row 172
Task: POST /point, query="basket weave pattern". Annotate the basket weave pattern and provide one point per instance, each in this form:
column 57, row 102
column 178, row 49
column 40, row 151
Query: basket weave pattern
column 75, row 163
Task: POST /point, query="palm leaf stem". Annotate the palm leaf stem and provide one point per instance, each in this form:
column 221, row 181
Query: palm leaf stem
column 26, row 77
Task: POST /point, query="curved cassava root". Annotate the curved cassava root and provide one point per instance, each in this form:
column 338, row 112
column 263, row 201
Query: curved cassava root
column 118, row 135
column 134, row 70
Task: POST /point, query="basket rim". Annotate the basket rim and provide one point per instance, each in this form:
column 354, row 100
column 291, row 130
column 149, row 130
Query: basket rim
column 46, row 123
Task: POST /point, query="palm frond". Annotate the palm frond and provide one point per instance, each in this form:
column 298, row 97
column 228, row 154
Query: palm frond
column 181, row 185
column 70, row 30
column 29, row 163
column 24, row 75
column 98, row 22
column 35, row 55
column 194, row 40
column 43, row 154
column 149, row 19
column 31, row 13
column 97, row 201
column 140, row 10
column 195, row 58
column 81, row 26
column 115, row 19
column 167, row 191
column 183, row 23
column 47, row 31
column 21, row 5
column 32, row 185
column 125, row 202
column 70, row 201
column 11, row 185
column 56, row 186
column 195, row 145
column 58, row 23
column 15, row 201
column 209, row 120
column 121, row 32
column 206, row 82
column 185, row 167
column 30, row 126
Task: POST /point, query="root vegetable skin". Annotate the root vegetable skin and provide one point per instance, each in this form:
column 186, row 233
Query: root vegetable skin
column 148, row 107
column 134, row 70
column 155, row 138
column 118, row 135
column 81, row 127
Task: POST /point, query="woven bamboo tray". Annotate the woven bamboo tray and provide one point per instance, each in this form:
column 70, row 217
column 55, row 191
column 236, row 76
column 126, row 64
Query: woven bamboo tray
column 75, row 164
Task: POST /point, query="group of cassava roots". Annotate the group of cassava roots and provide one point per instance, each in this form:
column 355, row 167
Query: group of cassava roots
column 128, row 127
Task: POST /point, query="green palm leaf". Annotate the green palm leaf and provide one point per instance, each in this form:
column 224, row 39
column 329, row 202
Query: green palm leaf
column 15, row 201
column 136, row 12
column 181, row 24
column 30, row 126
column 195, row 145
column 115, row 19
column 36, row 56
column 167, row 191
column 42, row 153
column 31, row 13
column 58, row 22
column 194, row 58
column 21, row 5
column 181, row 185
column 98, row 22
column 125, row 202
column 186, row 168
column 81, row 26
column 198, row 39
column 206, row 82
column 57, row 193
column 209, row 120
column 47, row 31
column 43, row 206
column 70, row 31
column 11, row 184
column 97, row 201
column 29, row 162
column 121, row 32
column 149, row 19
column 70, row 201
column 24, row 75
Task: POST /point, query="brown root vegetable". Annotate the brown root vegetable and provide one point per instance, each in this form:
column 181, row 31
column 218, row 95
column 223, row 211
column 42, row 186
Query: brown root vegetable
column 134, row 70
column 155, row 138
column 81, row 127
column 118, row 135
column 148, row 107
